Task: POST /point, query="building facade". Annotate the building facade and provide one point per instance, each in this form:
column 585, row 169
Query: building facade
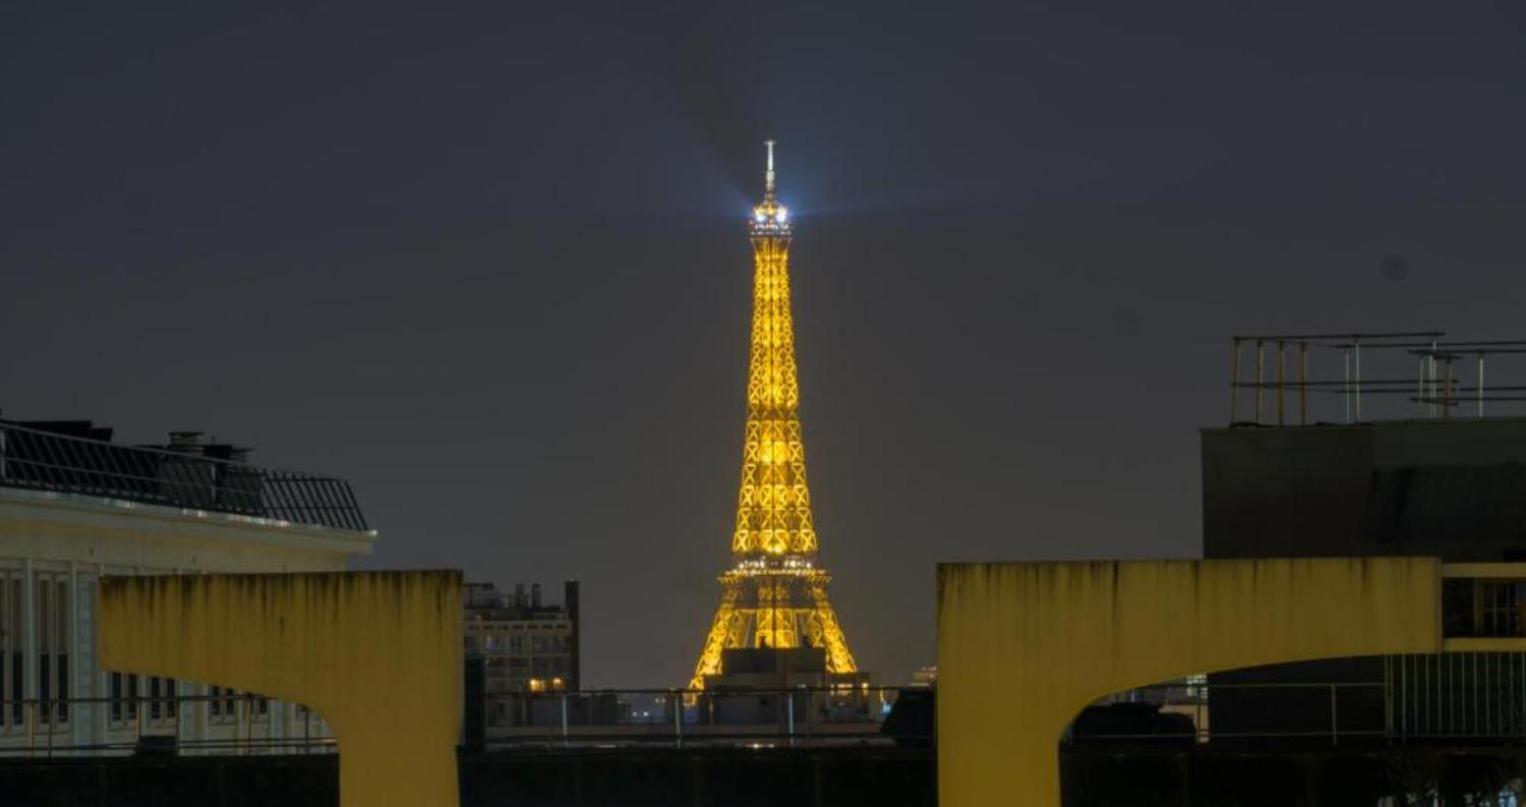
column 75, row 507
column 524, row 645
column 1420, row 469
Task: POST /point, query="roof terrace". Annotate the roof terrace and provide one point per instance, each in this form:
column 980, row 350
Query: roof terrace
column 185, row 475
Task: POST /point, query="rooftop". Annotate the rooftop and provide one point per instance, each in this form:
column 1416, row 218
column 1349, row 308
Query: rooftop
column 76, row 457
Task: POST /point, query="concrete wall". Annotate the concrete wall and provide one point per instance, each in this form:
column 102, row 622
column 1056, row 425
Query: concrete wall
column 378, row 654
column 1023, row 647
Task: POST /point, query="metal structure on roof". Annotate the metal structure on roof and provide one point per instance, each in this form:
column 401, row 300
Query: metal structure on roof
column 38, row 459
column 1408, row 374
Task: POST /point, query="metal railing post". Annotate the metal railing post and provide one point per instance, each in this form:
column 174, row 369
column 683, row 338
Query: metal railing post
column 1234, row 383
column 790, row 716
column 678, row 719
column 1446, row 392
column 564, row 719
column 1420, row 390
column 1334, row 731
column 1346, row 357
column 1303, row 383
column 1430, row 363
column 1479, row 394
column 810, row 706
column 1356, row 353
column 1281, row 364
column 1260, row 378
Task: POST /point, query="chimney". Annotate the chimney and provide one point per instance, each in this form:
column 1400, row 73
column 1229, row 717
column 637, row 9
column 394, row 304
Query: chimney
column 535, row 595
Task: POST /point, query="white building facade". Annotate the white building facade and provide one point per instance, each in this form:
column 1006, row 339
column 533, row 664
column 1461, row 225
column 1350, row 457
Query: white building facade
column 74, row 510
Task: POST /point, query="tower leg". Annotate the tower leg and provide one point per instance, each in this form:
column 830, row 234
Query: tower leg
column 721, row 630
column 839, row 658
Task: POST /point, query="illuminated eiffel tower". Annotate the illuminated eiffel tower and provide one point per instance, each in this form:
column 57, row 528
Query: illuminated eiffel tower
column 774, row 595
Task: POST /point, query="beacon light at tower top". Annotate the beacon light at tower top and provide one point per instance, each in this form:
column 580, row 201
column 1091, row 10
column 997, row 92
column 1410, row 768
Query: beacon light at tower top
column 770, row 218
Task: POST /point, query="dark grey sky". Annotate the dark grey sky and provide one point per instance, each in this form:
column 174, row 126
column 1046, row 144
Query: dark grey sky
column 489, row 260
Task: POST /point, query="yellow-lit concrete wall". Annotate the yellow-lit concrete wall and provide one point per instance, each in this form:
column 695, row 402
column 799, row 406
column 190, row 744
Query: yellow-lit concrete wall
column 377, row 654
column 1023, row 647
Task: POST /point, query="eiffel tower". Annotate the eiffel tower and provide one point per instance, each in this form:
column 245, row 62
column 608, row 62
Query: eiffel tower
column 775, row 594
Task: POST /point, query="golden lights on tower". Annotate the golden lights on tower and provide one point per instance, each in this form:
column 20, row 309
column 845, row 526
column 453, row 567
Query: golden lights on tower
column 774, row 595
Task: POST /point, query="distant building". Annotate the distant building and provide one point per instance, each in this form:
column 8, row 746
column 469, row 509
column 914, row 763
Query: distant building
column 74, row 507
column 523, row 644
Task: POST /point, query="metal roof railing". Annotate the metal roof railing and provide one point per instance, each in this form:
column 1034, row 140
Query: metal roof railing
column 1414, row 374
column 42, row 460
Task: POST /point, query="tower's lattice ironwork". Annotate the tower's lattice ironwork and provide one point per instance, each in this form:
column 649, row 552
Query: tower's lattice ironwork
column 775, row 594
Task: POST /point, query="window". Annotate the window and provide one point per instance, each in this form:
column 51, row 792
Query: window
column 51, row 618
column 129, row 693
column 12, row 662
column 161, row 698
column 224, row 704
column 221, row 706
column 124, row 697
column 171, row 704
column 1483, row 607
column 1499, row 606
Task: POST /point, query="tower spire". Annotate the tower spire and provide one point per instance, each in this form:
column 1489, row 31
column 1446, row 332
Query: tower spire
column 768, row 177
column 770, row 219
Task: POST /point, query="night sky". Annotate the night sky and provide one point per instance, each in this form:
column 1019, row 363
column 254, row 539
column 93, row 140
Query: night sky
column 489, row 261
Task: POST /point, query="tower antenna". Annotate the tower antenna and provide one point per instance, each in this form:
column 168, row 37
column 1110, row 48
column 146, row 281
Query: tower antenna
column 768, row 178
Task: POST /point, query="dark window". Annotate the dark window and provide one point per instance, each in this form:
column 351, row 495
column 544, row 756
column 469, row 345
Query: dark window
column 1457, row 607
column 44, row 687
column 1483, row 607
column 18, row 664
column 63, row 686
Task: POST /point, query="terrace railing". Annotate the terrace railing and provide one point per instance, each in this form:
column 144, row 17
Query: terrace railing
column 41, row 460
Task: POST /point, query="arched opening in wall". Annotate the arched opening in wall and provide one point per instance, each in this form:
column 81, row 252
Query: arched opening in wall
column 149, row 715
column 1379, row 731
